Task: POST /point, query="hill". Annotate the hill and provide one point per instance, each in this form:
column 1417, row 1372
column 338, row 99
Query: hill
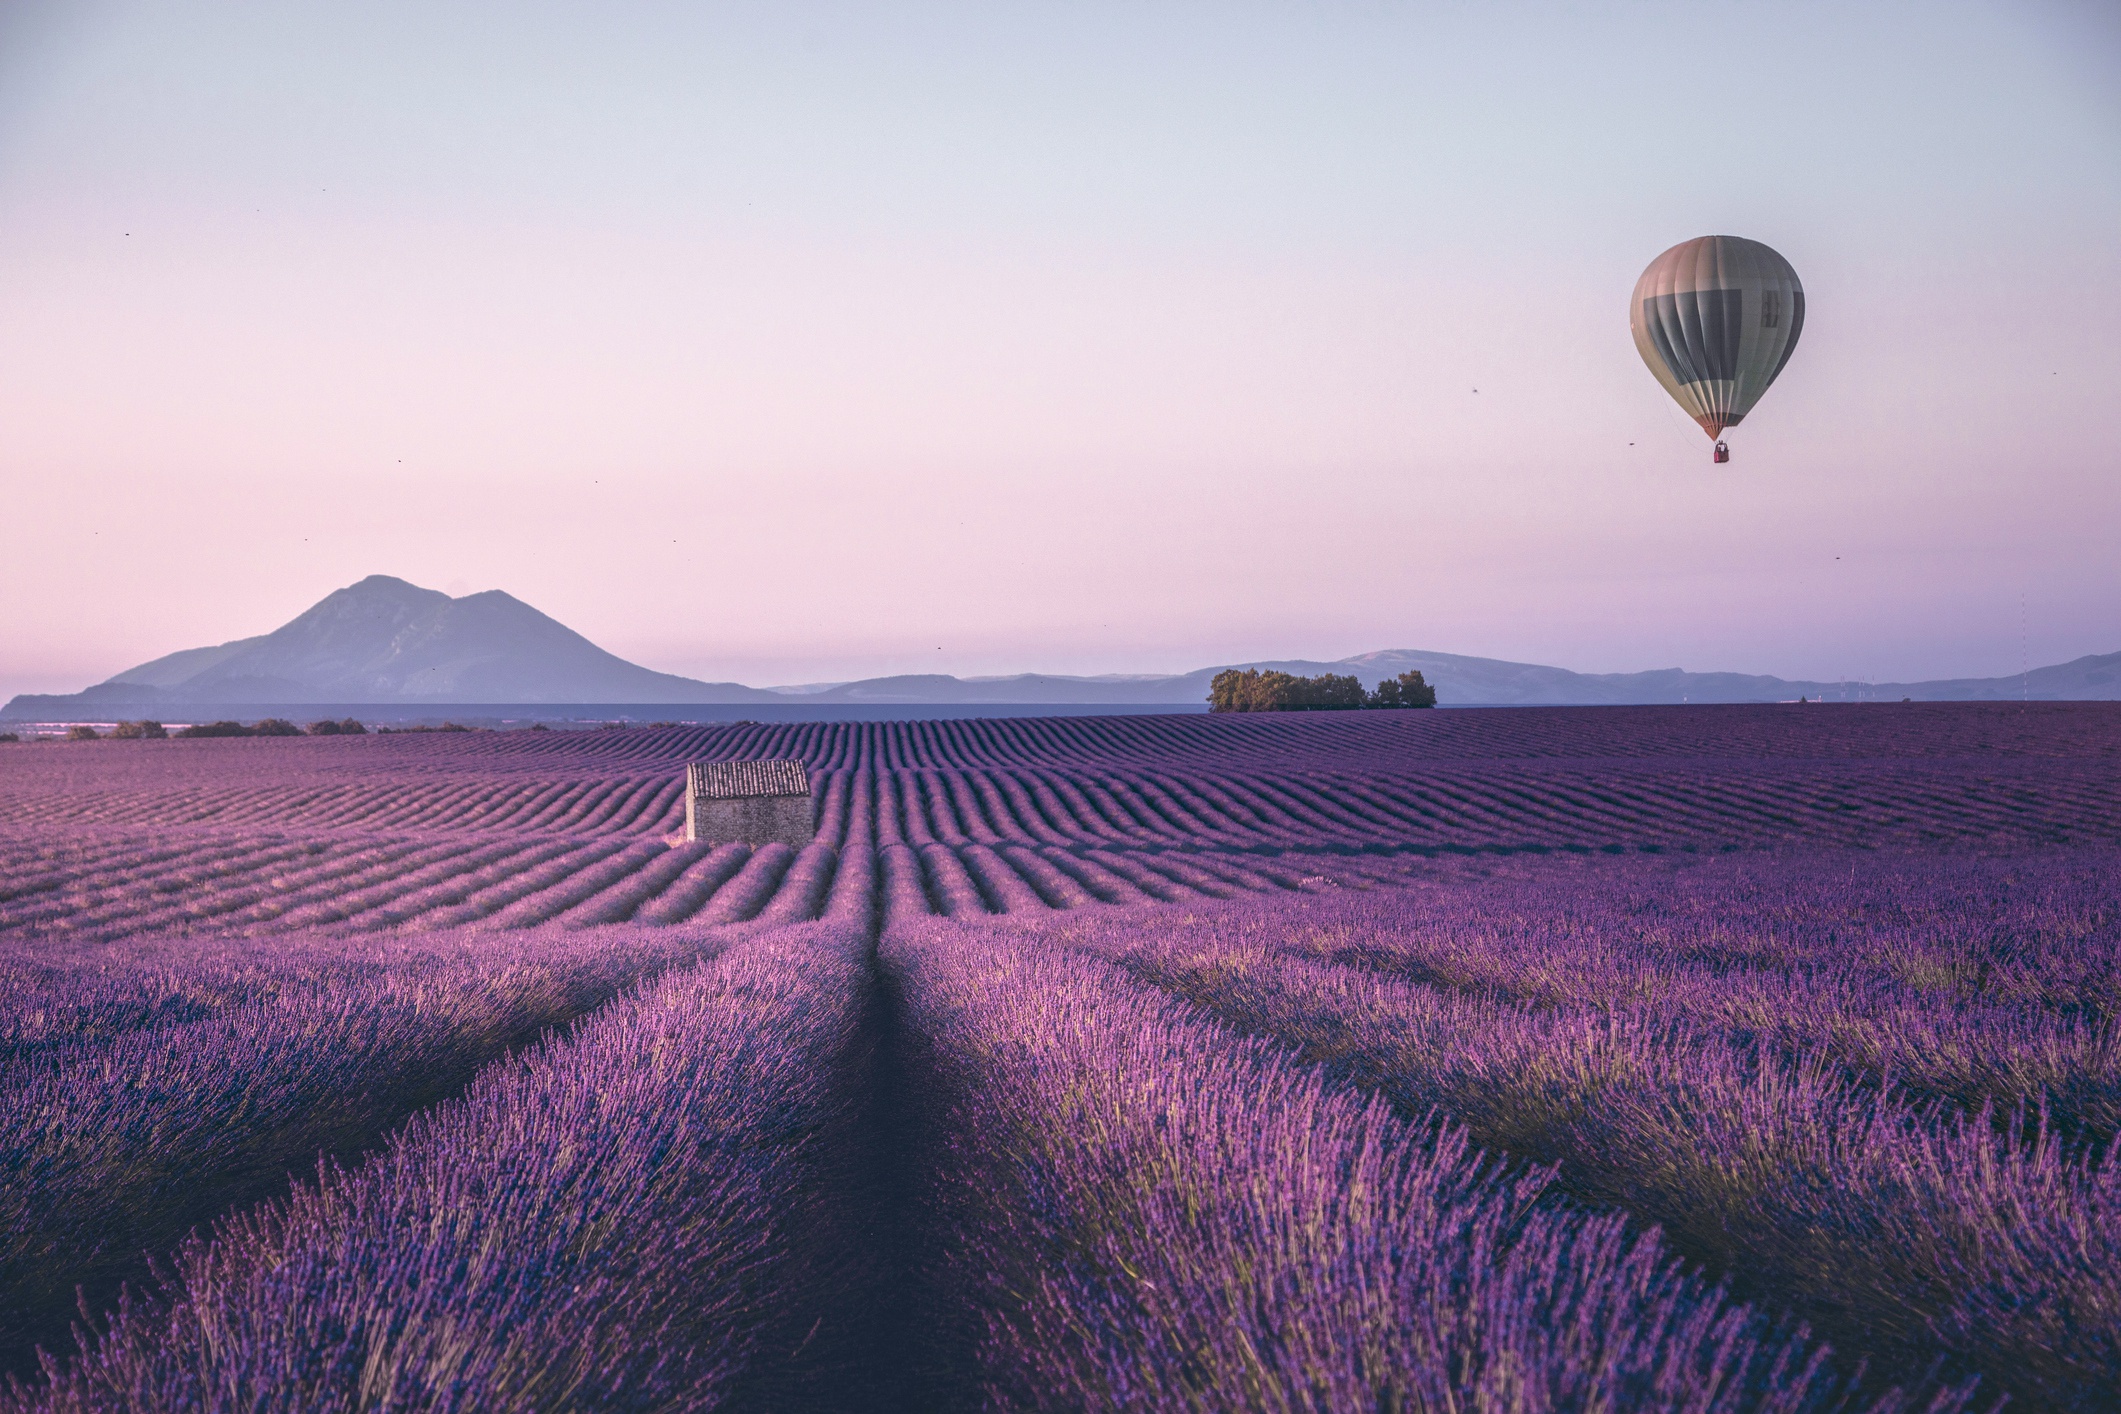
column 1462, row 681
column 386, row 642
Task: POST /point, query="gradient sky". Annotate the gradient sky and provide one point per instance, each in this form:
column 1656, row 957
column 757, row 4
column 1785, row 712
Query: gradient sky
column 786, row 342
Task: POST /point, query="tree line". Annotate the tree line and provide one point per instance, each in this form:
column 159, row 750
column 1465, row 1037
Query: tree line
column 271, row 726
column 1254, row 690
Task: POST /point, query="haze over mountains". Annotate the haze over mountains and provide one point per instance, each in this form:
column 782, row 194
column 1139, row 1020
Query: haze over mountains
column 386, row 642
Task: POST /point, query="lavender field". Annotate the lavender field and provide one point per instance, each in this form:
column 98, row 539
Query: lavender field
column 1548, row 1059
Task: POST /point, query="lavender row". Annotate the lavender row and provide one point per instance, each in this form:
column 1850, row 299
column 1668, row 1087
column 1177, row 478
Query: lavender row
column 1865, row 732
column 613, row 1221
column 1331, row 792
column 271, row 882
column 73, row 992
column 246, row 885
column 254, row 885
column 141, row 1118
column 2035, row 927
column 627, row 805
column 1899, row 1230
column 1302, row 741
column 1142, row 1210
column 1978, row 981
column 150, row 878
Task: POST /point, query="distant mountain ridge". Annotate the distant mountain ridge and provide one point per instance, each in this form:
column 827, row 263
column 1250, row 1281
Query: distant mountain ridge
column 1462, row 681
column 386, row 642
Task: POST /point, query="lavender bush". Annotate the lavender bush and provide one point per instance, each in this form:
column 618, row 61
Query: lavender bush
column 609, row 1222
column 1974, row 980
column 1146, row 1212
column 181, row 1085
column 1899, row 1229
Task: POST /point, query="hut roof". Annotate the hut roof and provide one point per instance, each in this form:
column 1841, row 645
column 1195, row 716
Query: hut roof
column 735, row 780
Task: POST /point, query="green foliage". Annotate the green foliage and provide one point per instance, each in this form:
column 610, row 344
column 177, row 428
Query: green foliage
column 9, row 736
column 345, row 726
column 82, row 732
column 1257, row 690
column 200, row 729
column 1407, row 690
column 139, row 731
column 271, row 726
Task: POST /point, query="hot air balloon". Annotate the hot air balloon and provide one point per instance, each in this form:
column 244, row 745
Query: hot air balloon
column 1715, row 318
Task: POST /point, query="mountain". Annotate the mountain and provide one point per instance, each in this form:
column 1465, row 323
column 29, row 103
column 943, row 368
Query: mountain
column 386, row 642
column 1488, row 682
column 1498, row 683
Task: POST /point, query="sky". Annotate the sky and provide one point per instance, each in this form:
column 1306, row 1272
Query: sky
column 791, row 342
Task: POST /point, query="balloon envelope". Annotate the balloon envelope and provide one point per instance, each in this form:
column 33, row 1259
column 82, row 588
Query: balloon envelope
column 1715, row 318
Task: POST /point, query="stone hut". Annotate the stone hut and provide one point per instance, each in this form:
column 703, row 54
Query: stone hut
column 756, row 802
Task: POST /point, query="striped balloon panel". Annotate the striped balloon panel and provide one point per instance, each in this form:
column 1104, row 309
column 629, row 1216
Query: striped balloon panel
column 1715, row 318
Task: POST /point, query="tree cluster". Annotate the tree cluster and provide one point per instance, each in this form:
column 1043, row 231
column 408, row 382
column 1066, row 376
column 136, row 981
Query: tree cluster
column 271, row 726
column 1409, row 689
column 1256, row 690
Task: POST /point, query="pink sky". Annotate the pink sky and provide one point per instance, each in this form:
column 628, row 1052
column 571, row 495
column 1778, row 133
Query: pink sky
column 785, row 343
